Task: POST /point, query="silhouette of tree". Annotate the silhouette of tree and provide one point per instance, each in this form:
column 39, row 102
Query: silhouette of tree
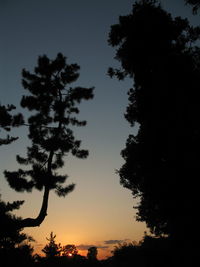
column 53, row 103
column 7, row 121
column 52, row 249
column 69, row 250
column 127, row 254
column 92, row 253
column 195, row 4
column 9, row 236
column 14, row 245
column 162, row 161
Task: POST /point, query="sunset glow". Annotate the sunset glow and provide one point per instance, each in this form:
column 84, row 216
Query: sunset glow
column 99, row 209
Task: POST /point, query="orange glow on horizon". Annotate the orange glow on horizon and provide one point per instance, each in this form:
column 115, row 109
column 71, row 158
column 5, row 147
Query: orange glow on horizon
column 102, row 253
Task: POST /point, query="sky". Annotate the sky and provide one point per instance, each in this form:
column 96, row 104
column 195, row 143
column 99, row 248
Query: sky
column 99, row 212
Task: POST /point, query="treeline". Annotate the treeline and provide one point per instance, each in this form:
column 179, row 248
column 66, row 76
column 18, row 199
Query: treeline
column 16, row 249
column 151, row 252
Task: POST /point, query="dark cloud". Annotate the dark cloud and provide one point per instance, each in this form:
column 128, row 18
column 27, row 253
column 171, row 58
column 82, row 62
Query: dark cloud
column 103, row 247
column 111, row 242
column 115, row 241
column 86, row 247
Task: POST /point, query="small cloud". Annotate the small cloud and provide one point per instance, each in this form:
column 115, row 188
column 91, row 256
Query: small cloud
column 115, row 241
column 86, row 247
column 112, row 242
column 103, row 247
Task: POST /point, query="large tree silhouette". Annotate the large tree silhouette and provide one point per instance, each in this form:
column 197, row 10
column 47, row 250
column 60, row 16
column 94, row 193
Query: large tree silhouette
column 53, row 103
column 162, row 161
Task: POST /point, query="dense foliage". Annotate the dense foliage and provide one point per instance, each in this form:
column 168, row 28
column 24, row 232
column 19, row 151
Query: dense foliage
column 162, row 162
column 14, row 245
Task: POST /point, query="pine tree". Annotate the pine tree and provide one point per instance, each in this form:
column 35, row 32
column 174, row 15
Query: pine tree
column 14, row 245
column 52, row 249
column 9, row 236
column 53, row 103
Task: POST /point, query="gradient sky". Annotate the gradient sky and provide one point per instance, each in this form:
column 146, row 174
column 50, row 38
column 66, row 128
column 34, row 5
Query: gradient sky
column 99, row 211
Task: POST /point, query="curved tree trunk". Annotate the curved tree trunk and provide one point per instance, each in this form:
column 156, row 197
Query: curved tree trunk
column 33, row 222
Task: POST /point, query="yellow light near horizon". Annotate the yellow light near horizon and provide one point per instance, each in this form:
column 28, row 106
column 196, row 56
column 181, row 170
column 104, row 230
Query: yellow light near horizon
column 70, row 255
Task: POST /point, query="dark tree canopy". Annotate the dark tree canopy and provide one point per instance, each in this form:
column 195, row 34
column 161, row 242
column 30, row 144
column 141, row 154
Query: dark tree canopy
column 53, row 103
column 15, row 248
column 10, row 237
column 92, row 253
column 69, row 250
column 162, row 162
